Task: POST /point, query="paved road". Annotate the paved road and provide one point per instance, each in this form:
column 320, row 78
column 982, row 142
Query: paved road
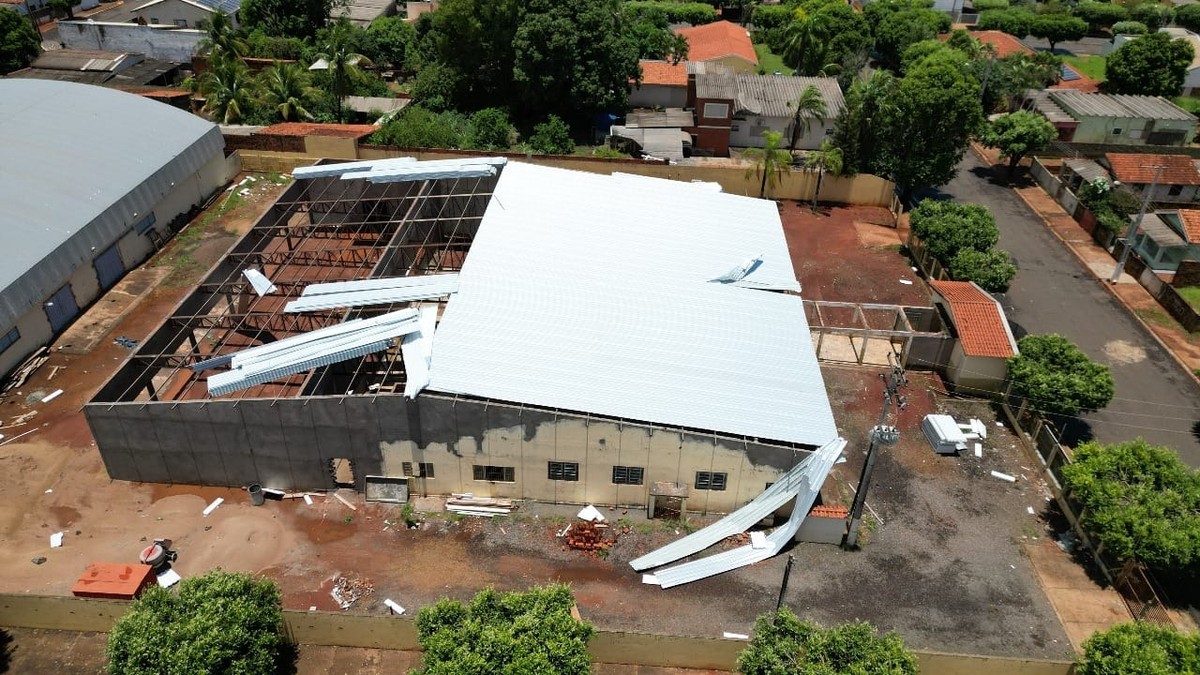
column 1054, row 293
column 1088, row 45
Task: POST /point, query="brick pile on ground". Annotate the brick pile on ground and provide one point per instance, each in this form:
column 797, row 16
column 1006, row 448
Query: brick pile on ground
column 587, row 536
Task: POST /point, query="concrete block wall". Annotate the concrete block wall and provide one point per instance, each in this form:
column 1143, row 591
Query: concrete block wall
column 168, row 44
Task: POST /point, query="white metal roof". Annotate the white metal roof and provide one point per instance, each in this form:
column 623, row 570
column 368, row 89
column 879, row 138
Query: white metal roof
column 594, row 293
column 373, row 292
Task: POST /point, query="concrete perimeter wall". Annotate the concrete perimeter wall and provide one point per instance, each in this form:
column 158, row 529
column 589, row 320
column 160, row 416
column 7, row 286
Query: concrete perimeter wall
column 862, row 190
column 400, row 633
column 290, row 444
column 166, row 43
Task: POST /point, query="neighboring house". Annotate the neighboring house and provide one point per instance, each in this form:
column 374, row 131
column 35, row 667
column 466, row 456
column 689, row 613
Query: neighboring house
column 721, row 42
column 414, row 10
column 166, row 42
column 116, row 69
column 185, row 13
column 736, row 109
column 41, row 8
column 663, row 85
column 362, row 12
column 983, row 339
column 1178, row 181
column 1114, row 119
column 1165, row 239
column 1003, row 45
column 145, row 167
column 1191, row 82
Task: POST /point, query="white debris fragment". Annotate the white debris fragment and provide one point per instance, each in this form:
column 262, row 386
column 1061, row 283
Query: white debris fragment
column 906, row 282
column 48, row 491
column 1029, row 509
column 735, row 636
column 396, row 608
column 1004, row 476
column 979, row 449
column 591, row 514
column 308, row 500
column 168, row 578
column 650, row 579
column 52, row 395
column 56, row 540
column 758, row 540
column 213, row 506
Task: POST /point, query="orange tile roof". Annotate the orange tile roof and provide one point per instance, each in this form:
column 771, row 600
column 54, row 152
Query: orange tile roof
column 1138, row 168
column 315, row 129
column 664, row 73
column 718, row 39
column 1082, row 83
column 1191, row 224
column 1003, row 43
column 822, row 511
column 982, row 328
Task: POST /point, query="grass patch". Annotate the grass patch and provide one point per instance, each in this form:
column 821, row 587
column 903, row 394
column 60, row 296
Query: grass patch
column 770, row 62
column 1089, row 65
column 179, row 256
column 1189, row 103
column 1156, row 316
column 1192, row 295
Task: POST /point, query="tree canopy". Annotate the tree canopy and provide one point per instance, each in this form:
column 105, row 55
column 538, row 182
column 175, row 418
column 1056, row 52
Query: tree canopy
column 948, row 228
column 1100, row 14
column 783, row 643
column 529, row 633
column 1139, row 647
column 19, row 43
column 215, row 623
column 1015, row 22
column 1018, row 134
column 1152, row 65
column 1057, row 377
column 992, row 269
column 285, row 18
column 906, row 27
column 1140, row 500
column 1056, row 28
column 1188, row 16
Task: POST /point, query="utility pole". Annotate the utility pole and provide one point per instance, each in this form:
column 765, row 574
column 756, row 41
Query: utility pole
column 880, row 435
column 787, row 573
column 1135, row 224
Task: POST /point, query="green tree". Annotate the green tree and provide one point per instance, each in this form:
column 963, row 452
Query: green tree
column 434, row 87
column 285, row 18
column 342, row 62
column 418, row 127
column 221, row 39
column 215, row 623
column 287, row 88
column 1140, row 500
column 907, row 122
column 802, row 35
column 826, row 159
column 809, row 107
column 551, row 137
column 770, row 162
column 1013, row 75
column 1099, row 15
column 228, row 89
column 925, row 49
column 1057, row 377
column 259, row 45
column 1139, row 647
column 1015, row 22
column 530, row 632
column 992, row 269
column 768, row 17
column 857, row 129
column 1152, row 14
column 391, row 40
column 783, row 644
column 904, row 28
column 1188, row 16
column 1129, row 28
column 63, row 8
column 1018, row 134
column 490, row 130
column 1152, row 65
column 948, row 227
column 1056, row 28
column 985, row 5
column 19, row 42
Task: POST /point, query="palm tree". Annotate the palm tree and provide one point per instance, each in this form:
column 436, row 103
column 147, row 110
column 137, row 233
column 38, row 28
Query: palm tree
column 827, row 158
column 810, row 106
column 801, row 35
column 222, row 38
column 287, row 88
column 770, row 161
column 342, row 63
column 228, row 89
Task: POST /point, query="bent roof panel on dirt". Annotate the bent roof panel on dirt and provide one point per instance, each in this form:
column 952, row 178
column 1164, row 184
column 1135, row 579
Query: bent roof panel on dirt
column 593, row 293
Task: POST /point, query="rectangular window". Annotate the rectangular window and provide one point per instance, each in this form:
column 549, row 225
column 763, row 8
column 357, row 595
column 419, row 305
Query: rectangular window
column 424, row 469
column 563, row 471
column 1116, row 131
column 1175, row 190
column 628, row 475
column 153, row 20
column 495, row 474
column 716, row 110
column 182, row 23
column 143, row 226
column 711, row 480
column 10, row 338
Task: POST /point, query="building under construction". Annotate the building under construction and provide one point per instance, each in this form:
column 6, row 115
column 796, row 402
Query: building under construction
column 473, row 325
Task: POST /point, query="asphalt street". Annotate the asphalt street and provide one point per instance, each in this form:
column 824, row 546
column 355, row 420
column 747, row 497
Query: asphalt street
column 1054, row 293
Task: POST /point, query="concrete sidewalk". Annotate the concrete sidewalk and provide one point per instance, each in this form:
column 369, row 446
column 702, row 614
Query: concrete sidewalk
column 1082, row 605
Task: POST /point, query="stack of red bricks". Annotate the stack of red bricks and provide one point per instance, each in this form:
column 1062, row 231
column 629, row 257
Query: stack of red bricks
column 587, row 536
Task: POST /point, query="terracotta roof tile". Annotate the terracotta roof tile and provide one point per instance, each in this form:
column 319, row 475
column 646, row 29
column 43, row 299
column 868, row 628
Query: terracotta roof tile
column 1003, row 43
column 314, row 129
column 1137, row 168
column 664, row 73
column 1191, row 224
column 718, row 39
column 981, row 325
column 829, row 511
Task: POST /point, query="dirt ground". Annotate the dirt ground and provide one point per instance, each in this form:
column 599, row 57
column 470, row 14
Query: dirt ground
column 942, row 565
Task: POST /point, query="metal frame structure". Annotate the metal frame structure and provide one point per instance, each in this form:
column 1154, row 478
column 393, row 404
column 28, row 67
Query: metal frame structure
column 321, row 230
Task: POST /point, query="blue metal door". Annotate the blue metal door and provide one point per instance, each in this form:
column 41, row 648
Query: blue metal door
column 61, row 308
column 109, row 267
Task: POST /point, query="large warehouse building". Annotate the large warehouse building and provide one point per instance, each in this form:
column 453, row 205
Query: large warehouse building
column 92, row 180
column 504, row 329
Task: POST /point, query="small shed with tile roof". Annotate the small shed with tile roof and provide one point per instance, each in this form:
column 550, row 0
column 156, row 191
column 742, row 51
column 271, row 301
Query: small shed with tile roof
column 983, row 340
column 1178, row 178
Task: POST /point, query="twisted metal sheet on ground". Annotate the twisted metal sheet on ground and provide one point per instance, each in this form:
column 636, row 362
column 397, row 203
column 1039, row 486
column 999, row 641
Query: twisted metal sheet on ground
column 814, row 475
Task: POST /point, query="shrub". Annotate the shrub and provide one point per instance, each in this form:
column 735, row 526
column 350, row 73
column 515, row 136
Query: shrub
column 986, row 5
column 992, row 269
column 1100, row 14
column 1129, row 28
column 767, row 17
column 1015, row 22
column 1139, row 648
column 490, row 130
column 784, row 644
column 694, row 13
column 1188, row 16
column 1057, row 377
column 1153, row 15
column 552, row 137
column 416, row 127
column 947, row 227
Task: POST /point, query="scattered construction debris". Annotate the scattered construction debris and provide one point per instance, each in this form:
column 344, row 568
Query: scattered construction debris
column 56, row 540
column 213, row 506
column 737, row 636
column 28, row 367
column 393, row 606
column 345, row 501
column 591, row 514
column 589, row 536
column 1004, row 476
column 126, row 342
column 52, row 395
column 349, row 590
column 468, row 504
column 949, row 437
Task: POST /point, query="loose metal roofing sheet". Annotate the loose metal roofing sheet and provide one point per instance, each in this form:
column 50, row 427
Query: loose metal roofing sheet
column 373, row 292
column 592, row 293
column 78, row 174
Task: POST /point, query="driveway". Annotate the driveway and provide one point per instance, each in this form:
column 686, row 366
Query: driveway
column 1054, row 293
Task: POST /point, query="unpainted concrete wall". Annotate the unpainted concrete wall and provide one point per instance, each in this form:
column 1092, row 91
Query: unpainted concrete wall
column 168, row 44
